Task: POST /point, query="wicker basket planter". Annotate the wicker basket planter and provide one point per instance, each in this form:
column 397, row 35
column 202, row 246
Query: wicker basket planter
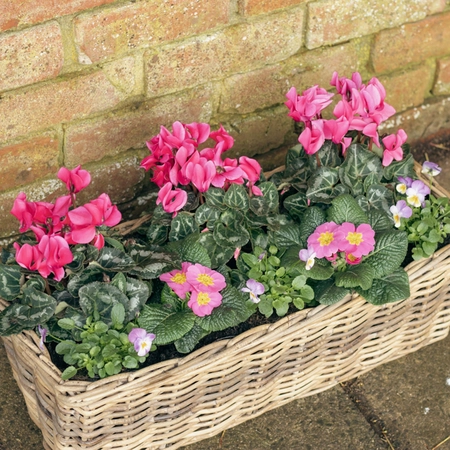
column 182, row 401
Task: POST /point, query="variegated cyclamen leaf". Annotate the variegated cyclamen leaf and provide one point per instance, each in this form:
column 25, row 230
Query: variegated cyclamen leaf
column 159, row 262
column 114, row 260
column 234, row 237
column 215, row 198
column 345, row 209
column 329, row 155
column 403, row 168
column 380, row 197
column 138, row 293
column 157, row 233
column 296, row 204
column 34, row 308
column 236, row 197
column 9, row 282
column 90, row 274
column 140, row 252
column 120, row 282
column 321, row 185
column 380, row 221
column 393, row 287
column 259, row 206
column 206, row 213
column 270, row 194
column 358, row 164
column 296, row 163
column 182, row 226
column 219, row 255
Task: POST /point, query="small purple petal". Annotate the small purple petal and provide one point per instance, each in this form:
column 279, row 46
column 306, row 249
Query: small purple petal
column 135, row 334
column 255, row 286
column 43, row 333
column 431, row 168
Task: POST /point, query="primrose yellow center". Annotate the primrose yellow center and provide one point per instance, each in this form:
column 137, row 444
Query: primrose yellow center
column 206, row 280
column 351, row 257
column 325, row 239
column 203, row 298
column 354, row 238
column 179, row 278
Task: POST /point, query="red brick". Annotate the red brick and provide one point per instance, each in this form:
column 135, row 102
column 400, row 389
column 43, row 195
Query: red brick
column 117, row 30
column 250, row 7
column 240, row 48
column 408, row 88
column 250, row 91
column 259, row 133
column 333, row 21
column 30, row 56
column 412, row 43
column 112, row 135
column 28, row 161
column 54, row 103
column 14, row 13
column 442, row 85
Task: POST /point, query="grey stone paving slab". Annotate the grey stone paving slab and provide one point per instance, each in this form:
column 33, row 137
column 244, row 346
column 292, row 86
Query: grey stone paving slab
column 17, row 431
column 412, row 397
column 327, row 421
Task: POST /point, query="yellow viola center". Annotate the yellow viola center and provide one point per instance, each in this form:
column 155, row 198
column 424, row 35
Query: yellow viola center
column 206, row 280
column 179, row 278
column 326, row 238
column 354, row 238
column 414, row 200
column 203, row 298
column 144, row 345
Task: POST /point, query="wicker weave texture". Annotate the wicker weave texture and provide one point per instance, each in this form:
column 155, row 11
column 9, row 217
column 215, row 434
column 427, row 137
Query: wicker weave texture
column 181, row 401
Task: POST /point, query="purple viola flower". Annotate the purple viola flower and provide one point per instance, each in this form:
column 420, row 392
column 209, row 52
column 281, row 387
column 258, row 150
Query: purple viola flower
column 43, row 333
column 254, row 288
column 401, row 209
column 142, row 340
column 404, row 184
column 307, row 255
column 431, row 168
column 416, row 193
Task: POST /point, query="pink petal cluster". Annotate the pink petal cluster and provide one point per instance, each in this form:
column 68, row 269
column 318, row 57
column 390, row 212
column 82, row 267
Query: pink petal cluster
column 202, row 283
column 176, row 160
column 56, row 226
column 393, row 147
column 361, row 108
column 330, row 238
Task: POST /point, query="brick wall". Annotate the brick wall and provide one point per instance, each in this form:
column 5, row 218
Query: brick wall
column 88, row 81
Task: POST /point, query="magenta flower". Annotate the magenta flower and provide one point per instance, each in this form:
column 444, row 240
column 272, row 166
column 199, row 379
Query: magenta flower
column 202, row 303
column 251, row 168
column 352, row 259
column 303, row 108
column 312, row 137
column 172, row 200
column 254, row 288
column 324, row 240
column 204, row 279
column 177, row 280
column 308, row 256
column 142, row 340
column 75, row 179
column 358, row 241
column 416, row 193
column 344, row 86
column 431, row 169
column 393, row 147
column 401, row 209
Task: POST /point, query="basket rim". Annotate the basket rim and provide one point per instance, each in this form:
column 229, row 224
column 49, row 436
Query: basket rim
column 211, row 351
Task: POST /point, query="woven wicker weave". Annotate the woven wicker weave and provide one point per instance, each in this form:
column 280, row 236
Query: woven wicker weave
column 182, row 401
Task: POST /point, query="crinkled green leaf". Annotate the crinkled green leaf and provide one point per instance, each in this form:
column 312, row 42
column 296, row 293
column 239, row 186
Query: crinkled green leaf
column 188, row 342
column 312, row 218
column 358, row 275
column 380, row 221
column 286, row 236
column 296, row 204
column 327, row 293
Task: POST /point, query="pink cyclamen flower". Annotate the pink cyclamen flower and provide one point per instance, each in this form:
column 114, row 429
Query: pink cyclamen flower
column 251, row 168
column 393, row 147
column 303, row 108
column 431, row 168
column 172, row 200
column 312, row 137
column 177, row 280
column 142, row 340
column 204, row 279
column 401, row 209
column 75, row 179
column 307, row 255
column 23, row 211
column 358, row 241
column 202, row 303
column 324, row 240
column 344, row 85
column 254, row 288
column 416, row 193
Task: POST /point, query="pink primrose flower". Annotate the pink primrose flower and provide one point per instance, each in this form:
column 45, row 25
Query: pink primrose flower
column 358, row 241
column 204, row 279
column 313, row 137
column 324, row 241
column 141, row 340
column 393, row 147
column 177, row 280
column 203, row 303
column 352, row 259
column 75, row 179
column 401, row 209
column 172, row 200
column 416, row 193
column 308, row 255
column 254, row 288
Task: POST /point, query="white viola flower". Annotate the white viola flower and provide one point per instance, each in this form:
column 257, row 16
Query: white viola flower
column 401, row 209
column 254, row 288
column 308, row 256
column 431, row 168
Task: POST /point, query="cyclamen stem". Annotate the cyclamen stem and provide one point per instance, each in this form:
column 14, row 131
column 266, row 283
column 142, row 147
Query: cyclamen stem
column 74, row 199
column 318, row 160
column 47, row 287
